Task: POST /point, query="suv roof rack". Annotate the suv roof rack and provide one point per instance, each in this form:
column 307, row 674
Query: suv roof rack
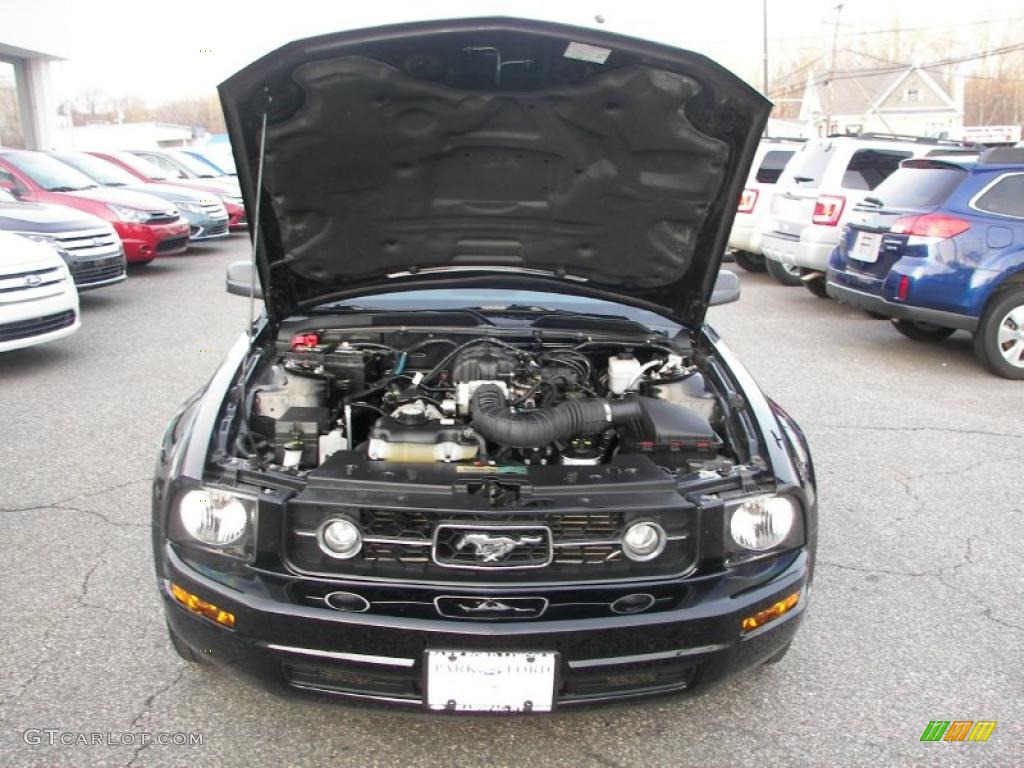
column 799, row 139
column 1003, row 156
column 901, row 137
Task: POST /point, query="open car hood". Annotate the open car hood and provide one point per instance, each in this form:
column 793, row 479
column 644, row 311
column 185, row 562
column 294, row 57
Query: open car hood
column 491, row 152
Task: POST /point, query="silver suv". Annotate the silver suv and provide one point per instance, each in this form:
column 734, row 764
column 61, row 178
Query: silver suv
column 821, row 184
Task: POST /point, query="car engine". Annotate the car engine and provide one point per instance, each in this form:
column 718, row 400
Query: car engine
column 481, row 401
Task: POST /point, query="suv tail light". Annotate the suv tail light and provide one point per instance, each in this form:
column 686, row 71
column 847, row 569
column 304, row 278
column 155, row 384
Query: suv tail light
column 828, row 209
column 936, row 225
column 748, row 199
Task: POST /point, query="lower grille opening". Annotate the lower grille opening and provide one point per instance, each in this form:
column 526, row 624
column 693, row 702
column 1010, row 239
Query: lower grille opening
column 37, row 326
column 93, row 273
column 397, row 684
column 627, row 679
column 172, row 244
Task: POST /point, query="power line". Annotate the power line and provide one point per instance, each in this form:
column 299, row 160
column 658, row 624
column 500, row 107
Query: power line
column 865, row 32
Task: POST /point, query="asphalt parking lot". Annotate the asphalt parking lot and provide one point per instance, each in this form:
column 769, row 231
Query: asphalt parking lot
column 917, row 612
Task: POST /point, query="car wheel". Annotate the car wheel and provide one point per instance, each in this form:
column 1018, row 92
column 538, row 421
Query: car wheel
column 875, row 315
column 751, row 262
column 816, row 285
column 183, row 650
column 999, row 340
column 918, row 331
column 782, row 273
column 779, row 656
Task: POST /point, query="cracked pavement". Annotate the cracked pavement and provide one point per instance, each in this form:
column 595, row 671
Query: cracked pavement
column 917, row 612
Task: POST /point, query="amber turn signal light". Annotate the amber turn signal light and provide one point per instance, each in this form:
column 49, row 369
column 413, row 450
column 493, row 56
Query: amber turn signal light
column 772, row 612
column 199, row 606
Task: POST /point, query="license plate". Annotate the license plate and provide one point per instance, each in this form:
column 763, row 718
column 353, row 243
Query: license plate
column 490, row 681
column 866, row 246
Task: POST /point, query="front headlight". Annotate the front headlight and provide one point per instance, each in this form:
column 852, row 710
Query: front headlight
column 762, row 523
column 231, row 199
column 189, row 207
column 38, row 237
column 215, row 518
column 47, row 239
column 132, row 215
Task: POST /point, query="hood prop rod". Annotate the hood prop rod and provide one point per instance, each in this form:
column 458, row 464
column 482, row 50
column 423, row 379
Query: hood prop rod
column 256, row 231
column 246, row 370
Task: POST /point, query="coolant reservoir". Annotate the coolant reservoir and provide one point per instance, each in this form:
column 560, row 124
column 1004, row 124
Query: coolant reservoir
column 623, row 370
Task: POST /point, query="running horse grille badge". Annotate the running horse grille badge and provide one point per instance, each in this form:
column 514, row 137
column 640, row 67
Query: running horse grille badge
column 492, row 549
column 479, row 546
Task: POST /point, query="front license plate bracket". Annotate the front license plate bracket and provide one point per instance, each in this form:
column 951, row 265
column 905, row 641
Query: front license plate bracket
column 457, row 680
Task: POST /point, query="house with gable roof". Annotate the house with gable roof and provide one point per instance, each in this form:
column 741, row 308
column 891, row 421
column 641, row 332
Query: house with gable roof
column 911, row 100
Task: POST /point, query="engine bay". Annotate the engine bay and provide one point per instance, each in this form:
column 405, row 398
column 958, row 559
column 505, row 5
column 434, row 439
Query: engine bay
column 481, row 400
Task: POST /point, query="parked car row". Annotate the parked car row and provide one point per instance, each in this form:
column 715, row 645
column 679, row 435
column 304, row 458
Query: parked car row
column 71, row 221
column 927, row 233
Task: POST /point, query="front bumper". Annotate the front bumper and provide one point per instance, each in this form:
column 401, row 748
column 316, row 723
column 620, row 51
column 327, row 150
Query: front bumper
column 236, row 217
column 90, row 273
column 144, row 242
column 39, row 321
column 894, row 309
column 203, row 227
column 292, row 648
column 798, row 251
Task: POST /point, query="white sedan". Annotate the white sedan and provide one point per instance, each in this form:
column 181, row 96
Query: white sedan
column 38, row 298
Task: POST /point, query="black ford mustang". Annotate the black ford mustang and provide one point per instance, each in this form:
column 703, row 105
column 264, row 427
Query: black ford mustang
column 481, row 453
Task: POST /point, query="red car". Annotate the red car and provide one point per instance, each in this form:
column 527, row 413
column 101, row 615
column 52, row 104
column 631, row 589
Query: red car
column 143, row 169
column 148, row 226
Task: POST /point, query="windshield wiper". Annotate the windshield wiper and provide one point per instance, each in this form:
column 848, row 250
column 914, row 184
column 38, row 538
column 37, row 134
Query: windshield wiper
column 65, row 189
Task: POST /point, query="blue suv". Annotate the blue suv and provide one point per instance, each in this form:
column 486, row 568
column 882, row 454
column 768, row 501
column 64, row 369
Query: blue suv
column 939, row 247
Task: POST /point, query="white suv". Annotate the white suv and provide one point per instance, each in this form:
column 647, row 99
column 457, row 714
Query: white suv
column 38, row 299
column 819, row 187
column 753, row 212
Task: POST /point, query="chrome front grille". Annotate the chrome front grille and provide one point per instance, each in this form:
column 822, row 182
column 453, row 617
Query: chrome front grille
column 214, row 209
column 88, row 243
column 424, row 544
column 31, row 285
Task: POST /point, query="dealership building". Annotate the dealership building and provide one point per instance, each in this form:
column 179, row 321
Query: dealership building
column 29, row 45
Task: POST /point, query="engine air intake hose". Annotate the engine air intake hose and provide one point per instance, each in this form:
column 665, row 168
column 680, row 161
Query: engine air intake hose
column 530, row 429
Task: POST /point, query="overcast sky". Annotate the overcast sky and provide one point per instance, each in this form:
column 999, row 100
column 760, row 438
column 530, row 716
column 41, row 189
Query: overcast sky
column 165, row 50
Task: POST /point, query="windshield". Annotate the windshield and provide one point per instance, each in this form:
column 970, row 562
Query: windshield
column 102, row 171
column 50, row 174
column 150, row 170
column 924, row 184
column 496, row 299
column 217, row 164
column 194, row 165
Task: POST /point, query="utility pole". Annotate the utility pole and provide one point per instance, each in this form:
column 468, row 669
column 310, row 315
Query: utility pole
column 832, row 69
column 764, row 27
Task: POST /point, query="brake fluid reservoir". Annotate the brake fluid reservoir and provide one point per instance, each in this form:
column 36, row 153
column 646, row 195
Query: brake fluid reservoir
column 623, row 370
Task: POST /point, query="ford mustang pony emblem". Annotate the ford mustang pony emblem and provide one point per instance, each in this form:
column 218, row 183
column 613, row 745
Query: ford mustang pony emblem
column 492, row 606
column 490, row 549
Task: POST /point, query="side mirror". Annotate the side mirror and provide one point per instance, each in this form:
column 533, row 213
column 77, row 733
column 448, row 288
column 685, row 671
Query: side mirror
column 239, row 279
column 727, row 288
column 13, row 188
